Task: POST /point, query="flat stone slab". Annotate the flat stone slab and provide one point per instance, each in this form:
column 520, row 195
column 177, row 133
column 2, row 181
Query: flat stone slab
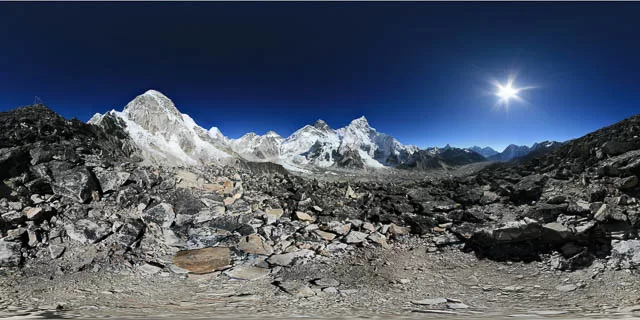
column 247, row 273
column 203, row 260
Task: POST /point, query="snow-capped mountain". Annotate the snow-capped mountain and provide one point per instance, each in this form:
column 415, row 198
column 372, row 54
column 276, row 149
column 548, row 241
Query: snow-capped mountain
column 312, row 145
column 512, row 151
column 357, row 145
column 258, row 148
column 163, row 134
column 485, row 152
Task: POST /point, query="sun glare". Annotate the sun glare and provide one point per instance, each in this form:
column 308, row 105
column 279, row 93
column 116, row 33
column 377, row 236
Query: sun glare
column 508, row 91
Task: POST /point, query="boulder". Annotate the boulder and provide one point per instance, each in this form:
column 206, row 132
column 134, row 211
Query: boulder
column 203, row 260
column 355, row 237
column 78, row 184
column 529, row 188
column 287, row 259
column 626, row 183
column 161, row 214
column 10, row 255
column 254, row 244
column 111, row 180
column 247, row 273
column 87, row 231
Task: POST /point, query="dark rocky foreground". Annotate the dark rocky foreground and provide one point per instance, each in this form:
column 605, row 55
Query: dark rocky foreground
column 75, row 200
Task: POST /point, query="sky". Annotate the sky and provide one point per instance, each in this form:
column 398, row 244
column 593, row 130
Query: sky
column 419, row 71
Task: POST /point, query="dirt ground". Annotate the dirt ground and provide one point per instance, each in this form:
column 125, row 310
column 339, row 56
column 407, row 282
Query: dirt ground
column 373, row 283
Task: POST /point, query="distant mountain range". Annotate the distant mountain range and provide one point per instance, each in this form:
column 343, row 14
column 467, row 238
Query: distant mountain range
column 513, row 151
column 165, row 135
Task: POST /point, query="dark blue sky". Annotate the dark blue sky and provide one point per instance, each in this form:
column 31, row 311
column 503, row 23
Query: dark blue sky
column 419, row 71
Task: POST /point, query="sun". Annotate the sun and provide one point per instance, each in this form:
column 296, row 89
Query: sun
column 508, row 91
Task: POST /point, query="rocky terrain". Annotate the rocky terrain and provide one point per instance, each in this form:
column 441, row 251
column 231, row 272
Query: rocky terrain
column 85, row 215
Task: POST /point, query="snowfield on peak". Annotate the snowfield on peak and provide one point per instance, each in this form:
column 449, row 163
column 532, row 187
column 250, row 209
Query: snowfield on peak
column 164, row 135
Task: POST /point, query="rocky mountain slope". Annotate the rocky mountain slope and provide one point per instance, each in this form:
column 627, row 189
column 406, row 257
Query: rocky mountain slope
column 75, row 197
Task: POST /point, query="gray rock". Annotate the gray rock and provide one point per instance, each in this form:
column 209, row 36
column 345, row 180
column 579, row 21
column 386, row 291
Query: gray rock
column 9, row 254
column 355, row 237
column 87, row 231
column 56, row 251
column 111, row 180
column 430, row 302
column 626, row 253
column 296, row 289
column 626, row 183
column 77, row 184
column 287, row 259
column 161, row 214
column 326, row 282
column 247, row 273
column 457, row 306
column 567, row 287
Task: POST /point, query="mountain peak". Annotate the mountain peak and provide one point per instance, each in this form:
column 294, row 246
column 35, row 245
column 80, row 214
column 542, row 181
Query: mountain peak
column 272, row 133
column 151, row 102
column 360, row 123
column 320, row 124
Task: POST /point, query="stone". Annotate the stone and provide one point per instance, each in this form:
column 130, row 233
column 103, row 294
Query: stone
column 456, row 306
column 161, row 214
column 396, row 230
column 77, row 184
column 34, row 214
column 229, row 201
column 626, row 183
column 10, row 255
column 626, row 253
column 327, row 236
column 130, row 231
column 87, row 231
column 528, row 188
column 378, row 239
column 277, row 212
column 297, row 289
column 254, row 244
column 355, row 237
column 556, row 231
column 567, row 287
column 15, row 234
column 331, row 290
column 35, row 198
column 325, row 282
column 350, row 194
column 303, row 216
column 250, row 273
column 337, row 228
column 149, row 268
column 316, row 209
column 404, row 281
column 602, row 213
column 287, row 259
column 32, row 238
column 56, row 251
column 430, row 302
column 203, row 260
column 111, row 180
column 369, row 227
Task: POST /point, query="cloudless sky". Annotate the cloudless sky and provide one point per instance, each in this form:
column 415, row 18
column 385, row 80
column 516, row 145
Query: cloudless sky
column 419, row 71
